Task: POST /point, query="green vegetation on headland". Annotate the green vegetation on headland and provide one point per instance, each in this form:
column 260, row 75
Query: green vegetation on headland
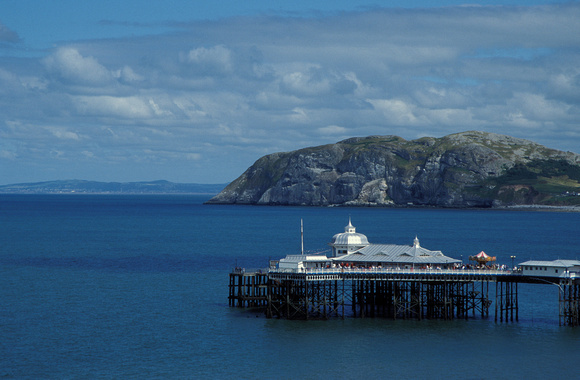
column 545, row 182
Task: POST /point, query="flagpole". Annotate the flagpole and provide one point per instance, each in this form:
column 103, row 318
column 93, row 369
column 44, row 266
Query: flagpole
column 301, row 237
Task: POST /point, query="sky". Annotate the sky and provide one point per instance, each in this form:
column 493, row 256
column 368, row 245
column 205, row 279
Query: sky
column 197, row 91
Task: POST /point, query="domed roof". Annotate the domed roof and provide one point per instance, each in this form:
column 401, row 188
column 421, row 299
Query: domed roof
column 349, row 237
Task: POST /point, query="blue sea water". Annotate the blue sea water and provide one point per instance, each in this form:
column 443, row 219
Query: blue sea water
column 136, row 287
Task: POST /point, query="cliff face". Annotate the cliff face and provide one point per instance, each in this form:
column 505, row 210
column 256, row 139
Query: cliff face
column 470, row 169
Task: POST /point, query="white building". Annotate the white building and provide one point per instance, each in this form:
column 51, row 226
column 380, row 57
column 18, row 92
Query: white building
column 556, row 268
column 352, row 249
column 298, row 263
column 400, row 256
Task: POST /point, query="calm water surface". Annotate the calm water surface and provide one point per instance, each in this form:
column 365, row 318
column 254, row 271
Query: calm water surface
column 136, row 287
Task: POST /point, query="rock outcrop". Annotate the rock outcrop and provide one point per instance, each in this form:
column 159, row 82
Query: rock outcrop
column 469, row 169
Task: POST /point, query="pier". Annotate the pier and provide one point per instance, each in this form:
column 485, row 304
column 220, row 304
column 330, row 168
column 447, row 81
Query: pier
column 395, row 281
column 396, row 294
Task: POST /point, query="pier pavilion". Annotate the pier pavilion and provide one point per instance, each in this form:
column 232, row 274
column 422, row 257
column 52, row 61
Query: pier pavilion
column 351, row 249
column 393, row 281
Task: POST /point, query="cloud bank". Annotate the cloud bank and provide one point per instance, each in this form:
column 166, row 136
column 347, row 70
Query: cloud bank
column 201, row 103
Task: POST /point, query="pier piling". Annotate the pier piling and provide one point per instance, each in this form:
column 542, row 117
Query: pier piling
column 393, row 295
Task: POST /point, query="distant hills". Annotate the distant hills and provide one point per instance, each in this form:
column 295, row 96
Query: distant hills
column 468, row 169
column 94, row 187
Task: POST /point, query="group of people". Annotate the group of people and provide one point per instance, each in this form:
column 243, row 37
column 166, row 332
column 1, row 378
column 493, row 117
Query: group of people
column 457, row 266
column 481, row 266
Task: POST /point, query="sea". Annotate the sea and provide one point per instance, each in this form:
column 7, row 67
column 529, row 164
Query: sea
column 136, row 287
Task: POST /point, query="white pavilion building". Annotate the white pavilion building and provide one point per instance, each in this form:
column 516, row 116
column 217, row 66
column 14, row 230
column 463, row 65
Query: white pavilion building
column 352, row 249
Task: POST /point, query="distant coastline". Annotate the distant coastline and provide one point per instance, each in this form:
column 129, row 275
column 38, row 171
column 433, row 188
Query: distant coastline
column 95, row 187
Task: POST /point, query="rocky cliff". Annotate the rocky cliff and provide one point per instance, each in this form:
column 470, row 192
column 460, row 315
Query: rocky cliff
column 469, row 169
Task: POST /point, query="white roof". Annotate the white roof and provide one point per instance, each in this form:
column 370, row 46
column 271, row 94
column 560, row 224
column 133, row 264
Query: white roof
column 301, row 258
column 349, row 237
column 393, row 253
column 554, row 263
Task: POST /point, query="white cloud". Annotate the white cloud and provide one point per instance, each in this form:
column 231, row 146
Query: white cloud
column 332, row 130
column 451, row 117
column 213, row 60
column 565, row 86
column 317, row 81
column 398, row 112
column 158, row 110
column 536, row 107
column 299, row 115
column 111, row 106
column 68, row 65
column 63, row 134
column 128, row 76
column 232, row 90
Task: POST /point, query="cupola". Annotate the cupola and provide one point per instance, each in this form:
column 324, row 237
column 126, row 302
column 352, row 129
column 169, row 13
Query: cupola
column 348, row 242
column 416, row 242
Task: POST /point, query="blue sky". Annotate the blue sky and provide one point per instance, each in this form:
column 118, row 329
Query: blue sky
column 196, row 91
